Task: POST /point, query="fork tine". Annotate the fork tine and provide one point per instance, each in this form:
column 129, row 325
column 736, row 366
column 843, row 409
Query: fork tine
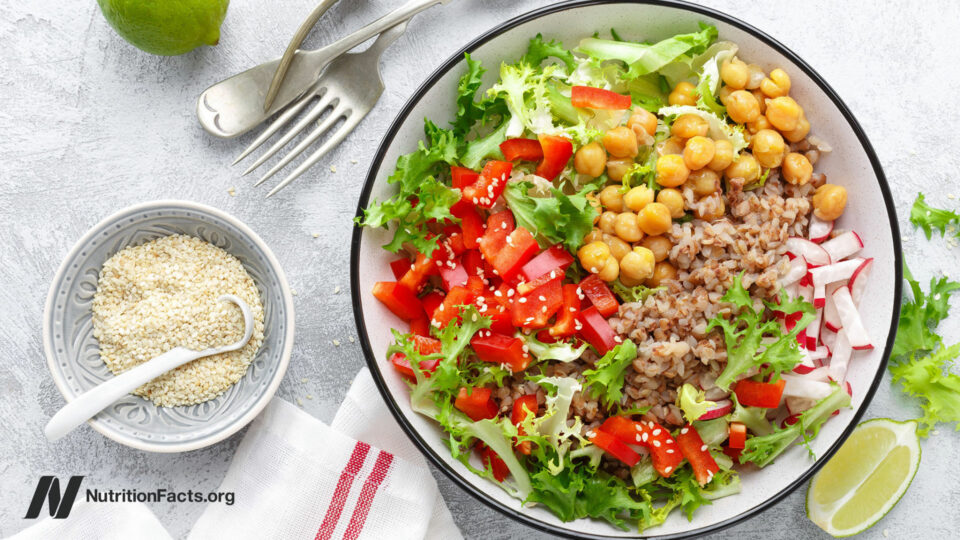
column 275, row 126
column 351, row 122
column 310, row 117
column 322, row 128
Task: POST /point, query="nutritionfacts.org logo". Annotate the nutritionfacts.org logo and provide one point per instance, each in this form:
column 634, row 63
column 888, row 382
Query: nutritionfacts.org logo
column 48, row 489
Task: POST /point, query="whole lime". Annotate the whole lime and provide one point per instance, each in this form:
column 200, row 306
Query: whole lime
column 166, row 27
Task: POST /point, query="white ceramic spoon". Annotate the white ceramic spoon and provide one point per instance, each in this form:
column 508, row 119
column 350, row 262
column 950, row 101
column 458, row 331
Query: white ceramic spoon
column 91, row 402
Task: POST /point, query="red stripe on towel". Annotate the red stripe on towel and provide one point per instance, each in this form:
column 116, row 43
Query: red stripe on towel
column 369, row 491
column 339, row 498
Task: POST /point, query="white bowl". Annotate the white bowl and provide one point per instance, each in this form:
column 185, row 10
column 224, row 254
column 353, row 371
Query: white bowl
column 73, row 355
column 852, row 163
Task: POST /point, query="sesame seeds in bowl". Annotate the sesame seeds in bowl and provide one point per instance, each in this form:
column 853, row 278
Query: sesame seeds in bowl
column 195, row 421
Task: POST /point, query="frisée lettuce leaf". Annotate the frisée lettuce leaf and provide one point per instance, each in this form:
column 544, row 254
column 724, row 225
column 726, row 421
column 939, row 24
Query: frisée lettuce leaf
column 929, row 379
column 605, row 380
column 643, row 58
column 930, row 218
column 558, row 218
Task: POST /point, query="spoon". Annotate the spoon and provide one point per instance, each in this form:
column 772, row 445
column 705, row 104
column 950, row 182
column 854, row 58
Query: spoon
column 91, row 402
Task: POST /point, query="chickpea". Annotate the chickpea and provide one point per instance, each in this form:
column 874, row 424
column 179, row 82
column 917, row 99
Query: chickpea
column 745, row 167
column 735, row 73
column 673, row 145
column 724, row 94
column 760, row 124
column 704, row 182
column 662, row 272
column 689, row 125
column 638, row 197
column 698, row 152
column 628, row 282
column 607, row 219
column 638, row 264
column 671, row 170
column 618, row 248
column 710, row 208
column 611, row 198
column 594, row 256
column 617, row 167
column 621, row 142
column 796, row 169
column 673, row 200
column 768, row 148
column 595, row 235
column 743, row 107
column 801, row 132
column 627, row 227
column 756, row 76
column 683, row 93
column 655, row 219
column 722, row 155
column 643, row 119
column 829, row 201
column 784, row 113
column 590, row 160
column 777, row 84
column 761, row 100
column 658, row 245
column 610, row 270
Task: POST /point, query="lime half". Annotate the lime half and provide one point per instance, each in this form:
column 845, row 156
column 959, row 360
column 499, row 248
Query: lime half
column 865, row 478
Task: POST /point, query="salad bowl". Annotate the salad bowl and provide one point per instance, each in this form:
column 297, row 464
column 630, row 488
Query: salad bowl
column 852, row 162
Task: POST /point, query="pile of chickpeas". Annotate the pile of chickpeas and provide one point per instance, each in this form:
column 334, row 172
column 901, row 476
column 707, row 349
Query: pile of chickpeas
column 628, row 241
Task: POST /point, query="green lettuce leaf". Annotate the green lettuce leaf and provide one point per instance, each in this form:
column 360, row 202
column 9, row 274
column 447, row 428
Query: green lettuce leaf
column 525, row 90
column 929, row 379
column 559, row 218
column 755, row 418
column 692, row 402
column 605, row 380
column 539, row 50
column 642, row 58
column 640, row 293
column 922, row 314
column 561, row 351
column 486, row 147
column 929, row 219
column 708, row 81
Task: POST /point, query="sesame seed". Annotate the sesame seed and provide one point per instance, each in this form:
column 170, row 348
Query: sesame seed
column 656, row 432
column 703, row 448
column 510, row 292
column 304, row 380
column 336, row 290
column 669, row 450
column 684, row 431
column 316, row 235
column 333, row 168
column 543, row 298
column 668, row 469
column 351, row 339
column 308, row 396
column 336, row 343
column 522, row 300
column 573, row 310
column 299, row 402
column 646, row 436
column 543, row 309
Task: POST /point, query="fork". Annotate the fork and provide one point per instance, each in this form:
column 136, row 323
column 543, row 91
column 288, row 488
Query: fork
column 350, row 86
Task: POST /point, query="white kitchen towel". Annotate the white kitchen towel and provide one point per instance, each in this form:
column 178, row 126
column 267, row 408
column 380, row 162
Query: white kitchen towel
column 107, row 521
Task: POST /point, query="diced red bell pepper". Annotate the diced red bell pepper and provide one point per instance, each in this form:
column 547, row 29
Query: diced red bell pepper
column 664, row 453
column 477, row 404
column 420, row 326
column 475, row 285
column 399, row 267
column 697, row 453
column 487, row 189
column 508, row 253
column 501, row 223
column 524, row 149
column 553, row 258
column 613, row 446
column 545, row 337
column 431, row 301
column 556, row 153
column 534, row 309
column 497, row 466
column 738, row 435
column 501, row 349
column 454, row 239
column 599, row 295
column 624, row 429
column 402, row 365
column 426, row 344
column 525, row 287
column 473, row 263
column 596, row 330
column 588, row 97
column 450, row 308
column 461, row 177
column 471, row 224
column 416, row 277
column 501, row 320
column 734, row 453
column 566, row 322
column 398, row 299
column 759, row 394
column 523, row 407
column 453, row 274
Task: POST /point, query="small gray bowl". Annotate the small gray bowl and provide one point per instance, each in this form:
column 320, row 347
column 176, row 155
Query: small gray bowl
column 73, row 353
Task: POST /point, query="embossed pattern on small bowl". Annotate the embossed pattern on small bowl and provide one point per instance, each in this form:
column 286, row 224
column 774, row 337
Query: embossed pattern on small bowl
column 73, row 354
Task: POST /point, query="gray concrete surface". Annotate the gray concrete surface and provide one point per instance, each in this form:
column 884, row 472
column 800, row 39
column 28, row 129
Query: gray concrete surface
column 91, row 124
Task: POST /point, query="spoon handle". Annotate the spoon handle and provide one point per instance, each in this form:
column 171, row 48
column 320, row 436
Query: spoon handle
column 88, row 404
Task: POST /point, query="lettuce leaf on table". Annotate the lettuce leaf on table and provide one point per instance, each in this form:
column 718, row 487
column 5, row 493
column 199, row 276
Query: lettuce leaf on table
column 929, row 219
column 919, row 316
column 929, row 379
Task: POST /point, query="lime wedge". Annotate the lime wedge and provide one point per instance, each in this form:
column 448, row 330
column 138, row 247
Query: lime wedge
column 865, row 478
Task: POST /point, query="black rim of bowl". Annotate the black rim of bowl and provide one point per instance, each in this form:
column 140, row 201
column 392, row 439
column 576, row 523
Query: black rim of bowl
column 387, row 140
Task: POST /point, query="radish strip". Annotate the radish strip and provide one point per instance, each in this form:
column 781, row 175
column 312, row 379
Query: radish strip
column 858, row 281
column 842, row 246
column 805, row 387
column 831, row 319
column 819, row 229
column 828, row 337
column 796, row 405
column 813, row 331
column 850, row 317
column 806, row 365
column 813, row 253
column 837, row 271
column 841, row 357
column 798, row 269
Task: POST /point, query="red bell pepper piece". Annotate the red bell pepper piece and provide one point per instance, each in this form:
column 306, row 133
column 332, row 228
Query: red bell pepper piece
column 596, row 330
column 588, row 97
column 554, row 258
column 416, row 277
column 399, row 267
column 420, row 326
column 473, row 263
column 453, row 274
column 599, row 295
column 461, row 177
column 402, row 365
column 501, row 223
column 534, row 309
column 476, row 404
column 734, row 453
column 450, row 308
column 664, row 454
column 487, row 189
column 556, row 153
column 454, row 239
column 501, row 349
column 566, row 322
column 508, row 253
column 431, row 301
column 426, row 345
column 525, row 287
column 624, row 429
column 759, row 394
column 697, row 453
column 738, row 435
column 614, row 447
column 398, row 299
column 501, row 320
column 471, row 224
column 523, row 407
column 492, row 460
column 475, row 284
column 524, row 149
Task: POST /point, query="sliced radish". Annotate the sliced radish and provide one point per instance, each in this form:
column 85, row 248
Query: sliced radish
column 813, row 253
column 858, row 281
column 819, row 293
column 842, row 246
column 831, row 319
column 813, row 331
column 821, row 352
column 819, row 229
column 722, row 408
column 798, row 269
column 806, row 365
column 796, row 405
column 805, row 293
column 828, row 337
column 850, row 318
column 805, row 387
column 842, row 351
column 820, row 374
column 838, row 271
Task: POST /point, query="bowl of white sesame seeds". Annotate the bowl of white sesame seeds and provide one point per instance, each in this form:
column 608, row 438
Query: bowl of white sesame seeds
column 146, row 279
